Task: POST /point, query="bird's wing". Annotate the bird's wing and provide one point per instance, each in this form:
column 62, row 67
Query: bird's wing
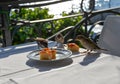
column 93, row 44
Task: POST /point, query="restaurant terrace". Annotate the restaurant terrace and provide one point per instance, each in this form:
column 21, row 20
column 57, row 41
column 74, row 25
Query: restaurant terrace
column 86, row 52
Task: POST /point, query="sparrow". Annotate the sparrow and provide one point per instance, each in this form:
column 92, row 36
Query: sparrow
column 88, row 43
column 43, row 43
column 59, row 38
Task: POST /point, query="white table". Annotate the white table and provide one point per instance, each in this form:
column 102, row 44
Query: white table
column 95, row 68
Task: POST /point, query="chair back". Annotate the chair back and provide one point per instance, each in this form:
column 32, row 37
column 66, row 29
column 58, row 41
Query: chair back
column 110, row 35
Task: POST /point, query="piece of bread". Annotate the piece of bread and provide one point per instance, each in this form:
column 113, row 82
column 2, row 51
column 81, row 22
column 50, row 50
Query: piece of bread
column 73, row 47
column 53, row 54
column 47, row 54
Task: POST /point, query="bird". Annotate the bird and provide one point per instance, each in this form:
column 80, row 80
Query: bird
column 88, row 43
column 60, row 40
column 42, row 43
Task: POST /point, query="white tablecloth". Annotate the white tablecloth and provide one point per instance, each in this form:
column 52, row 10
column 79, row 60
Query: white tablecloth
column 94, row 68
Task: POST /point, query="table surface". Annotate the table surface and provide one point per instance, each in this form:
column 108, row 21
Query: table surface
column 93, row 68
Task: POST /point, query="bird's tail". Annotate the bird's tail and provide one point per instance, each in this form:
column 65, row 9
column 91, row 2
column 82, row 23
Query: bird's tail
column 104, row 49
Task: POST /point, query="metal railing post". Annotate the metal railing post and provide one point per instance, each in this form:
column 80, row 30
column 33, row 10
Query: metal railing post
column 5, row 26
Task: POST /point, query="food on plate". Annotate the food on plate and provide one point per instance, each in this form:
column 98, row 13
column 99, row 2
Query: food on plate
column 53, row 54
column 43, row 43
column 73, row 47
column 47, row 54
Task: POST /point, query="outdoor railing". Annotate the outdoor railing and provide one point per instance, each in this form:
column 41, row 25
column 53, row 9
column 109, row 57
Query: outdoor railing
column 94, row 18
column 89, row 18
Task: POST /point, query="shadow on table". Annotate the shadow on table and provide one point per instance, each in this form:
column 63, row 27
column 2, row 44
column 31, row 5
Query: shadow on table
column 21, row 48
column 89, row 58
column 46, row 66
column 5, row 52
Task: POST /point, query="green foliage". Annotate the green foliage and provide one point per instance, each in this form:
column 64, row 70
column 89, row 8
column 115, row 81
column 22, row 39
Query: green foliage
column 45, row 29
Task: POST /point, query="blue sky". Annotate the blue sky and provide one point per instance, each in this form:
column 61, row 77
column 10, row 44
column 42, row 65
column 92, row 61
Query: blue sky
column 57, row 9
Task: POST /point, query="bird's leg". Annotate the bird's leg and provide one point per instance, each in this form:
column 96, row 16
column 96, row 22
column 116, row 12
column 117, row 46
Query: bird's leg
column 60, row 45
column 89, row 51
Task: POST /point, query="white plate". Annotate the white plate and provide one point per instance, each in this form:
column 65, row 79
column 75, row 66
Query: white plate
column 60, row 55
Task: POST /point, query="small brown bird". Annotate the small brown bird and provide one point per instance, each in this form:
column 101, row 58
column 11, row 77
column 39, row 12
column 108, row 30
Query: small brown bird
column 59, row 38
column 43, row 43
column 88, row 43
